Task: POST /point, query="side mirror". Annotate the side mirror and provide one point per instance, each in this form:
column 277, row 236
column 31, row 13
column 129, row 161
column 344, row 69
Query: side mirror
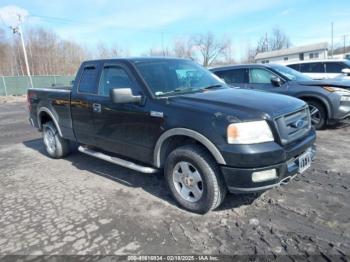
column 276, row 81
column 123, row 96
column 346, row 71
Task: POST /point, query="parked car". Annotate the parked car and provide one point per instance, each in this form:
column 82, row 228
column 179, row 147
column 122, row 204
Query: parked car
column 328, row 101
column 321, row 69
column 152, row 114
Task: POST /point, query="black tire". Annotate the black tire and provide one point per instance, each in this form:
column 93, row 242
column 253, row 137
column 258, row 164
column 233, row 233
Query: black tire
column 59, row 147
column 212, row 185
column 318, row 114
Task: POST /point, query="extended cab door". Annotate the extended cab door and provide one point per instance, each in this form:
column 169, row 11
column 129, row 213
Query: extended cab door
column 85, row 89
column 260, row 78
column 125, row 129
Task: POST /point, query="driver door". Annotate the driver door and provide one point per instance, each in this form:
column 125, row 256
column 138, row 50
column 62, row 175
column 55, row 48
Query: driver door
column 125, row 129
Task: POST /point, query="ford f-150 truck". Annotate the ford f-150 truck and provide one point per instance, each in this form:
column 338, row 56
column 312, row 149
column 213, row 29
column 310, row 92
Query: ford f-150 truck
column 154, row 114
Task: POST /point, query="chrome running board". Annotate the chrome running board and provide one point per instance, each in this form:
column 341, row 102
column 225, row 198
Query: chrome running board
column 118, row 161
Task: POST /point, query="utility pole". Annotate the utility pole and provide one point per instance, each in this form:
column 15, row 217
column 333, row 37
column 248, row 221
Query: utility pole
column 19, row 31
column 332, row 41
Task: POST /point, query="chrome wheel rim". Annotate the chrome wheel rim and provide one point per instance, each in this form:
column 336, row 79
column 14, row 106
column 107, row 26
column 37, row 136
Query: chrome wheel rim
column 188, row 181
column 49, row 140
column 315, row 115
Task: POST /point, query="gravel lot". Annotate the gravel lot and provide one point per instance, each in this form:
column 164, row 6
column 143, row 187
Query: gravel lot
column 81, row 205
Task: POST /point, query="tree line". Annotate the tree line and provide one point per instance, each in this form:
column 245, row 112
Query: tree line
column 48, row 54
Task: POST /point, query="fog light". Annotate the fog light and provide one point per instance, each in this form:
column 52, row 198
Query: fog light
column 264, row 175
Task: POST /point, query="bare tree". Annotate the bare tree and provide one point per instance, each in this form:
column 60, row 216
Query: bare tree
column 154, row 51
column 184, row 48
column 276, row 41
column 279, row 40
column 210, row 47
column 250, row 54
column 104, row 51
column 227, row 57
column 48, row 54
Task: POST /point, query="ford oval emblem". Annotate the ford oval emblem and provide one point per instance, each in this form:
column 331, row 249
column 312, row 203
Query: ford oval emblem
column 298, row 124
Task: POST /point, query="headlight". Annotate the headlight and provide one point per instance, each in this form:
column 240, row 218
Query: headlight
column 337, row 90
column 249, row 133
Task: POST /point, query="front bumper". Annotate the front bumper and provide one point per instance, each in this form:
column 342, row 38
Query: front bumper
column 240, row 179
column 342, row 112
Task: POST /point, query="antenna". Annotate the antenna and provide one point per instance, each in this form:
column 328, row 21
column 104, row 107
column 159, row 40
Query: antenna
column 332, row 40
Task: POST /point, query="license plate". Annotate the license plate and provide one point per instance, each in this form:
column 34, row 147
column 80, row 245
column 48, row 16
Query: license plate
column 304, row 162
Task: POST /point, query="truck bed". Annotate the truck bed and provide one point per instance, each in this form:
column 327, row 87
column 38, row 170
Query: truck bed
column 53, row 100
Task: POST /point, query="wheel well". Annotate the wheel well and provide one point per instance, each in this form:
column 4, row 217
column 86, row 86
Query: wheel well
column 176, row 141
column 44, row 118
column 306, row 99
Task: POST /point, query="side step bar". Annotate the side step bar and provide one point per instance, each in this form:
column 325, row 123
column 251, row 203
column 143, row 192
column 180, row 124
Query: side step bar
column 118, row 161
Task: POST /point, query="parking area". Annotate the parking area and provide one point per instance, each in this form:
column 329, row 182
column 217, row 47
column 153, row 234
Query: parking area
column 82, row 205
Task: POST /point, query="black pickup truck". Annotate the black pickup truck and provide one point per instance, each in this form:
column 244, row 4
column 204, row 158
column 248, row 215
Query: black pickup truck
column 153, row 114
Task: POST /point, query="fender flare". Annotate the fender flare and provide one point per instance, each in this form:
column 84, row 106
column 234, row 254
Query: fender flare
column 46, row 110
column 189, row 133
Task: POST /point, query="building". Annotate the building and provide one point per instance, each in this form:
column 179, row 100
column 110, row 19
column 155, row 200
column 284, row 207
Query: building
column 294, row 54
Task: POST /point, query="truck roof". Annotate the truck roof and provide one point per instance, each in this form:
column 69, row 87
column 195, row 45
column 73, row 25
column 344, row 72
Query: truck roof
column 137, row 59
column 241, row 66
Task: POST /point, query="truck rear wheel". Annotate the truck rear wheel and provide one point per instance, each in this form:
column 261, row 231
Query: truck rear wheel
column 55, row 146
column 194, row 179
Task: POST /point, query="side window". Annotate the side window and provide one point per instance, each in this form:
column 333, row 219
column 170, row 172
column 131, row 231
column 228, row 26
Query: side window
column 113, row 77
column 312, row 68
column 88, row 80
column 295, row 66
column 233, row 76
column 334, row 67
column 260, row 76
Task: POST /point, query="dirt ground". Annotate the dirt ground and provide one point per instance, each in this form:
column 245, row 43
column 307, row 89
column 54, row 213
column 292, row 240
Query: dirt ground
column 81, row 205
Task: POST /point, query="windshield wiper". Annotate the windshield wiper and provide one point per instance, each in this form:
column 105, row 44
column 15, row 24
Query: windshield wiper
column 212, row 87
column 176, row 90
column 187, row 89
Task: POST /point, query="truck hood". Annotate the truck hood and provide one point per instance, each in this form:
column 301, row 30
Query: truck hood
column 335, row 83
column 248, row 103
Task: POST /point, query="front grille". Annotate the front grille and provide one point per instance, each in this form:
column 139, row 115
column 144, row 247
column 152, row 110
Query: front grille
column 294, row 125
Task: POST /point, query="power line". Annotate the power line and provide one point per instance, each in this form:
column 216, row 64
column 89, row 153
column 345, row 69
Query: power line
column 60, row 20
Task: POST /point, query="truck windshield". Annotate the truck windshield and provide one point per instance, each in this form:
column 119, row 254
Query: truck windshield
column 172, row 77
column 290, row 73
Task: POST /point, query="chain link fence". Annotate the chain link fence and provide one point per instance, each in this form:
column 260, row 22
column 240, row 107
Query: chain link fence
column 18, row 85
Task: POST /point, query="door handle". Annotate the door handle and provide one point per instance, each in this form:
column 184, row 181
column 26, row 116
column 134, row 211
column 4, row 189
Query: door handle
column 96, row 108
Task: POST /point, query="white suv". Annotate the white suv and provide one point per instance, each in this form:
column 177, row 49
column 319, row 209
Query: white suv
column 321, row 69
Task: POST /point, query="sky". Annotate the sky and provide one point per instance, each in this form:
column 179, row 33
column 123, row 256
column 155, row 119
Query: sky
column 138, row 25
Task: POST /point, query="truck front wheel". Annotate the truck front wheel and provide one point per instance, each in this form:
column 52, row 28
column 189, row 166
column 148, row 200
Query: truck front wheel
column 55, row 146
column 194, row 179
